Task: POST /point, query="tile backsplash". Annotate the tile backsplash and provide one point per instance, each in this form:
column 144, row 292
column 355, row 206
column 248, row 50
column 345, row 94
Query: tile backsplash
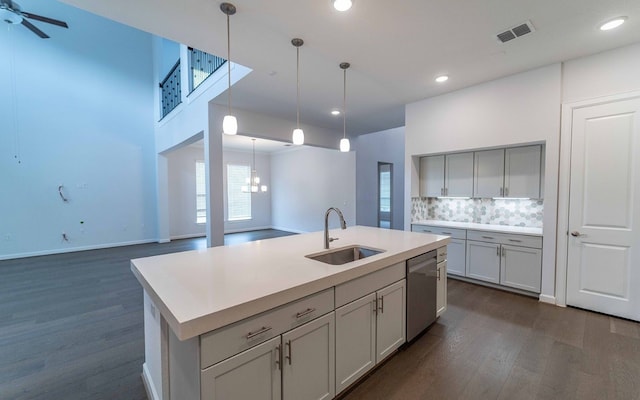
column 483, row 211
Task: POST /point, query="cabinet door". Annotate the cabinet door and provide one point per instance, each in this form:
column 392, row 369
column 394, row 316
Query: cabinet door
column 459, row 175
column 488, row 174
column 250, row 375
column 308, row 361
column 441, row 298
column 522, row 172
column 432, row 176
column 521, row 267
column 483, row 261
column 355, row 340
column 391, row 322
column 456, row 256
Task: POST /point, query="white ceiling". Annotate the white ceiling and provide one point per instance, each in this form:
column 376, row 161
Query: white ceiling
column 396, row 48
column 245, row 143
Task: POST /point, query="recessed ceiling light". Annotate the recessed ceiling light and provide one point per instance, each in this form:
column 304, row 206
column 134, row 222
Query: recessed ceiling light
column 335, row 112
column 342, row 5
column 442, row 78
column 614, row 23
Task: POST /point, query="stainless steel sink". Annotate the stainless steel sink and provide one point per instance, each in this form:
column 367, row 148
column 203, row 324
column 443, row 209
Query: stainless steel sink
column 344, row 255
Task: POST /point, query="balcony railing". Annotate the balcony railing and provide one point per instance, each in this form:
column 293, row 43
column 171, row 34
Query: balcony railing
column 170, row 90
column 202, row 65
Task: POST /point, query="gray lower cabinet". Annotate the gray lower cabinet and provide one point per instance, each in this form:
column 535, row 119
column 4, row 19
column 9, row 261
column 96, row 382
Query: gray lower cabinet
column 297, row 365
column 483, row 261
column 367, row 331
column 520, row 267
column 456, row 257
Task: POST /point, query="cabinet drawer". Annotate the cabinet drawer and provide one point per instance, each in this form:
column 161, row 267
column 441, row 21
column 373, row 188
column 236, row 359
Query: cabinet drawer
column 353, row 290
column 438, row 230
column 441, row 254
column 506, row 238
column 229, row 340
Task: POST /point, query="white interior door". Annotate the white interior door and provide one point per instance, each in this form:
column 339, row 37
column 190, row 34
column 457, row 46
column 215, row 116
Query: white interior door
column 603, row 266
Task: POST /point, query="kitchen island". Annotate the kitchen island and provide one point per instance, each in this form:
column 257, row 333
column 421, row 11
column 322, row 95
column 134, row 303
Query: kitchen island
column 208, row 309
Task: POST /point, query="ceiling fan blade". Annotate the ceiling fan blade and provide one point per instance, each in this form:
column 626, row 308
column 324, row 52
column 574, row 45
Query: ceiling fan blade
column 44, row 19
column 7, row 4
column 33, row 29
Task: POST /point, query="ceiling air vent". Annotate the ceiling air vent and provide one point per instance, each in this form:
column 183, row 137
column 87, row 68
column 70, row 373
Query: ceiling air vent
column 516, row 32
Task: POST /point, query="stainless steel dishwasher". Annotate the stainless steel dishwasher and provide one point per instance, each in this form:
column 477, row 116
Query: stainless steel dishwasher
column 421, row 293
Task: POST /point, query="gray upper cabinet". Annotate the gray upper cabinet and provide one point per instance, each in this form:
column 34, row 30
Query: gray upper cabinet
column 513, row 172
column 458, row 175
column 488, row 173
column 522, row 172
column 447, row 175
column 432, row 176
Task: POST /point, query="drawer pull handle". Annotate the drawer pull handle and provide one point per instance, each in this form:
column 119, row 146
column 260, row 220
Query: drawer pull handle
column 447, row 233
column 487, row 237
column 260, row 331
column 515, row 240
column 305, row 312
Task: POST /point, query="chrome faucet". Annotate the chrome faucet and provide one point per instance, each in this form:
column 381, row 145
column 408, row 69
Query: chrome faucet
column 343, row 225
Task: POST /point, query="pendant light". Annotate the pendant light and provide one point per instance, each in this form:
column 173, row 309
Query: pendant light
column 345, row 146
column 230, row 123
column 253, row 183
column 298, row 134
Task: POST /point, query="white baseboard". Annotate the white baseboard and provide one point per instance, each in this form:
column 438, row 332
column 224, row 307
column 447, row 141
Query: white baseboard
column 189, row 236
column 74, row 249
column 545, row 298
column 148, row 384
column 253, row 228
column 283, row 228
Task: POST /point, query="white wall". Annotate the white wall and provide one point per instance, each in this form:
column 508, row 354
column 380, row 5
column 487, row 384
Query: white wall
column 260, row 202
column 602, row 74
column 76, row 110
column 384, row 146
column 182, row 192
column 518, row 109
column 305, row 182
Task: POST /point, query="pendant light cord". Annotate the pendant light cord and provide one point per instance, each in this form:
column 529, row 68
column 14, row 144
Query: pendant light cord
column 344, row 105
column 229, row 63
column 297, row 87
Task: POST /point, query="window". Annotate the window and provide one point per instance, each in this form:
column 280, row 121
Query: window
column 238, row 202
column 201, row 193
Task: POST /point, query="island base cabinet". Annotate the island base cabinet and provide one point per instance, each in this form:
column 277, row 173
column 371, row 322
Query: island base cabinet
column 441, row 297
column 308, row 361
column 391, row 319
column 251, row 375
column 355, row 340
column 299, row 365
column 521, row 268
column 483, row 261
column 367, row 331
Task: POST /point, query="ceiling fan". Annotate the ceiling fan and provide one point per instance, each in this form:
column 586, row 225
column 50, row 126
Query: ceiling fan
column 11, row 13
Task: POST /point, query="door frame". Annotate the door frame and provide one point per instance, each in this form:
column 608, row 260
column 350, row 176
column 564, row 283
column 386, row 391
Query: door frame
column 564, row 185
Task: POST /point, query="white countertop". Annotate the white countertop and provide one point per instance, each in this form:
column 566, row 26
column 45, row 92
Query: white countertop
column 522, row 230
column 202, row 290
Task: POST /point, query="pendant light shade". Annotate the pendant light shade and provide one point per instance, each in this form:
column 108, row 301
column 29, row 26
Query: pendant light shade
column 298, row 134
column 345, row 146
column 230, row 123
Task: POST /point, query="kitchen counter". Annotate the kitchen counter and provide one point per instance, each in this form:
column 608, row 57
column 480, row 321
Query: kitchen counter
column 202, row 290
column 522, row 230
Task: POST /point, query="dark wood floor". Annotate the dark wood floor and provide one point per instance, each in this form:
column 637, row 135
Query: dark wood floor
column 496, row 345
column 71, row 328
column 71, row 325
